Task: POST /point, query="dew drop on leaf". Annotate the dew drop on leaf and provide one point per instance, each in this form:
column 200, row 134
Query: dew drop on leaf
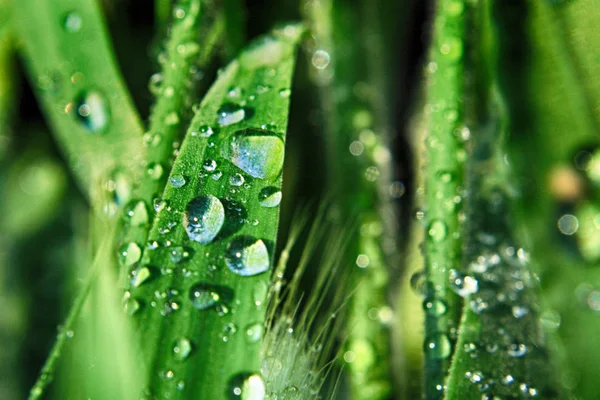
column 177, row 180
column 270, row 197
column 203, row 218
column 247, row 256
column 247, row 387
column 129, row 254
column 180, row 254
column 72, row 22
column 438, row 346
column 182, row 348
column 137, row 212
column 230, row 114
column 463, row 285
column 91, row 110
column 139, row 275
column 437, row 230
column 205, row 295
column 259, row 153
column 209, row 164
column 155, row 170
column 254, row 332
column 236, row 180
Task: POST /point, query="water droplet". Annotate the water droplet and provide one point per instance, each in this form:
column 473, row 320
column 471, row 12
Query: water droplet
column 236, row 180
column 321, row 59
column 139, row 275
column 155, row 170
column 434, row 307
column 206, row 131
column 254, row 332
column 203, row 218
column 92, row 111
column 270, row 197
column 230, row 114
column 177, row 180
column 247, row 256
column 155, row 83
column 438, row 346
column 129, row 254
column 180, row 254
column 362, row 261
column 418, row 282
column 568, row 224
column 217, row 175
column 205, row 296
column 437, row 230
column 550, row 320
column 463, row 285
column 259, row 153
column 137, row 212
column 285, row 93
column 171, row 118
column 209, row 164
column 159, row 204
column 182, row 348
column 72, row 22
column 517, row 350
column 131, row 305
column 247, row 387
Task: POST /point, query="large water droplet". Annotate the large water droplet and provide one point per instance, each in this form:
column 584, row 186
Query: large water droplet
column 247, row 256
column 203, row 218
column 230, row 114
column 205, row 295
column 92, row 111
column 270, row 197
column 257, row 152
column 247, row 387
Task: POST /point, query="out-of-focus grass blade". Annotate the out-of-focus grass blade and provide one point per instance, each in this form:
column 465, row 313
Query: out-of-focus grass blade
column 71, row 65
column 204, row 273
column 550, row 80
column 350, row 64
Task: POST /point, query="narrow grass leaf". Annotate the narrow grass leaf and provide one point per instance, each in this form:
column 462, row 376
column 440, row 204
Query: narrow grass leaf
column 354, row 103
column 204, row 273
column 74, row 73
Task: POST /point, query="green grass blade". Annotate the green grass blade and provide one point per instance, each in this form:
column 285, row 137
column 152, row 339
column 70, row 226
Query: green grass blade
column 198, row 281
column 551, row 86
column 354, row 101
column 8, row 89
column 72, row 67
column 235, row 22
column 444, row 178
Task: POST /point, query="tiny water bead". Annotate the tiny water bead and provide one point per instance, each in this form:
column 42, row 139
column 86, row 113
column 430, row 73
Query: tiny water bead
column 203, row 218
column 254, row 332
column 92, row 111
column 236, row 180
column 463, row 285
column 270, row 197
column 182, row 348
column 257, row 152
column 209, row 165
column 434, row 307
column 177, row 180
column 230, row 114
column 247, row 256
column 438, row 230
column 321, row 59
column 247, row 387
column 180, row 254
column 438, row 346
column 72, row 22
column 205, row 295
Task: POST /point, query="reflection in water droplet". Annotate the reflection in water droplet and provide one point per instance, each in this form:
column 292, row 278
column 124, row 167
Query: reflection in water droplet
column 270, row 197
column 92, row 111
column 203, row 218
column 247, row 387
column 230, row 114
column 257, row 152
column 247, row 256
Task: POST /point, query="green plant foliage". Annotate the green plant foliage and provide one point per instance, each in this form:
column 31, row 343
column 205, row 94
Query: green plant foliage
column 204, row 268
